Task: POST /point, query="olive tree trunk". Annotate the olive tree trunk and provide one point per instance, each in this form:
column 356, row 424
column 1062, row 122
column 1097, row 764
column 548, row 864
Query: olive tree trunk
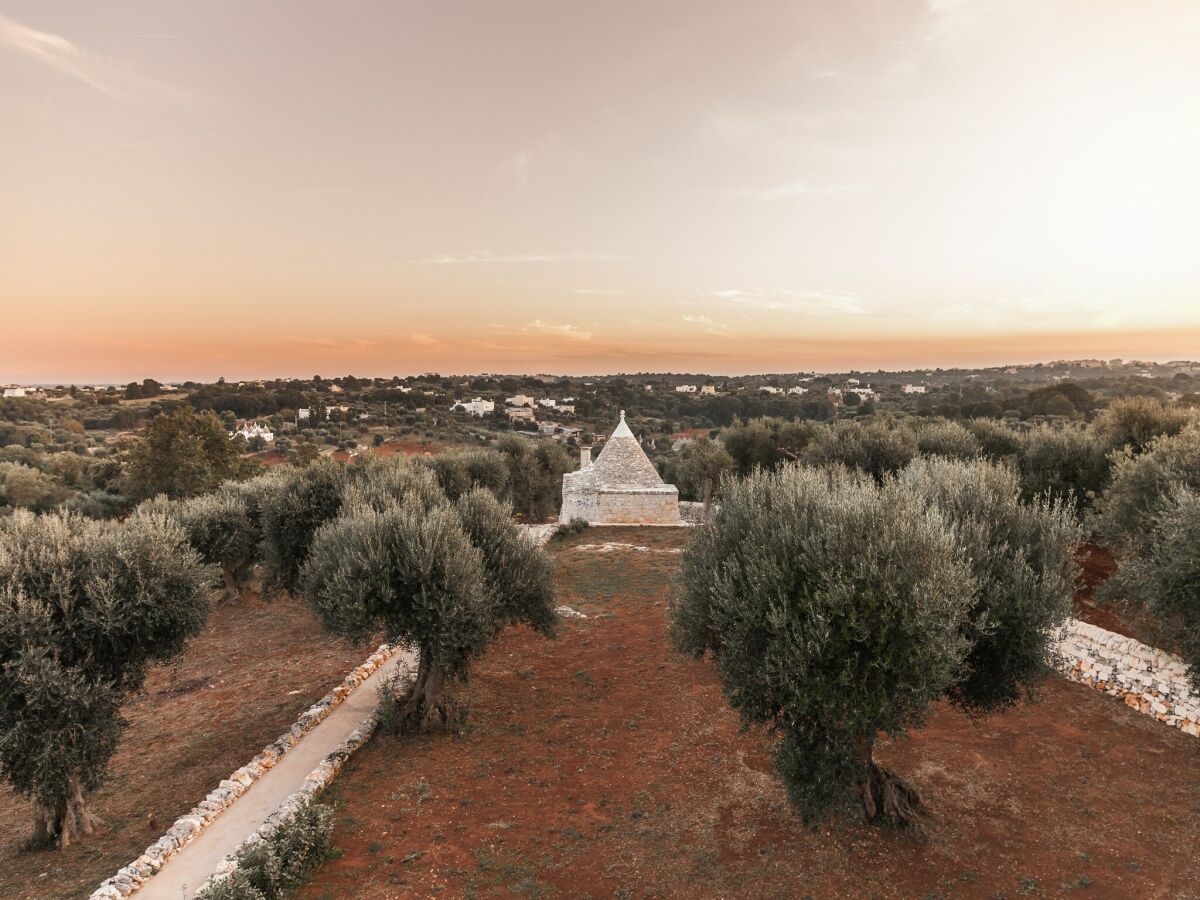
column 426, row 705
column 231, row 590
column 62, row 823
column 887, row 799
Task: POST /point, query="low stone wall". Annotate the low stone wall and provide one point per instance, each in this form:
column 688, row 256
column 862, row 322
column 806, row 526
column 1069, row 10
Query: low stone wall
column 316, row 782
column 1148, row 680
column 129, row 878
column 692, row 512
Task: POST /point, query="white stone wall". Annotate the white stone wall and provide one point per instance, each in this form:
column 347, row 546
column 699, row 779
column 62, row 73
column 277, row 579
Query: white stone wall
column 131, row 877
column 1148, row 680
column 641, row 506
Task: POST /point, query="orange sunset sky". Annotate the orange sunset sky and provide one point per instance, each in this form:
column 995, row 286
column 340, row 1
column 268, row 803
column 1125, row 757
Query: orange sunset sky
column 253, row 189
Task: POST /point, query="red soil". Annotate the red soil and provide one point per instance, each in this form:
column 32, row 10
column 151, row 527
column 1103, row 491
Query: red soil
column 602, row 764
column 243, row 682
column 1098, row 565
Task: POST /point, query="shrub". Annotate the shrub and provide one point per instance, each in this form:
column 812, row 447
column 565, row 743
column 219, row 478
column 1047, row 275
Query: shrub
column 833, row 608
column 570, row 529
column 1134, row 422
column 996, row 440
column 1064, row 464
column 943, row 437
column 271, row 869
column 877, row 448
column 1161, row 573
column 460, row 471
column 1140, row 483
column 85, row 608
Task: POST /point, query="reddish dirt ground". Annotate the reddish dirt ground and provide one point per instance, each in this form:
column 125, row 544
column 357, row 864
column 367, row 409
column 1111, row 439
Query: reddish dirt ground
column 240, row 684
column 1097, row 566
column 601, row 764
column 408, row 448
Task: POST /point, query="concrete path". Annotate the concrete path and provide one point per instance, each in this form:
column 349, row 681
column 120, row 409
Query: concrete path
column 183, row 874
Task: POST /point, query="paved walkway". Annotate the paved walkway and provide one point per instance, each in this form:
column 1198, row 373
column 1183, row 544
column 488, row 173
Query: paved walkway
column 184, row 873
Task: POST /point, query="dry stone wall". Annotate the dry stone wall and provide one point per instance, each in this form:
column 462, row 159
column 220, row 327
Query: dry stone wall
column 1149, row 680
column 129, row 878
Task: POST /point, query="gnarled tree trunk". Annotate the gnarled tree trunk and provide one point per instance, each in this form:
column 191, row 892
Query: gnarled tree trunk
column 61, row 824
column 426, row 706
column 887, row 799
column 231, row 592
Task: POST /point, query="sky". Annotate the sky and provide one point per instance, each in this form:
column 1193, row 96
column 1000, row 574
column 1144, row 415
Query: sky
column 254, row 189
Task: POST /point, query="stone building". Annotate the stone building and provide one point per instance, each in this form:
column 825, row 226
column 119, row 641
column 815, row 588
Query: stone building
column 621, row 487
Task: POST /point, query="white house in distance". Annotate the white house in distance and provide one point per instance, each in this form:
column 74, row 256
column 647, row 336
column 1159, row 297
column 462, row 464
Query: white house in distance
column 913, row 389
column 685, row 389
column 621, row 487
column 254, row 430
column 476, row 406
column 519, row 400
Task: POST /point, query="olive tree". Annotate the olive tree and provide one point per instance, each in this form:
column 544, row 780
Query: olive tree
column 1134, row 422
column 460, row 471
column 303, row 500
column 85, row 608
column 402, row 560
column 1066, row 464
column 944, row 437
column 1161, row 573
column 834, row 609
column 700, row 467
column 181, row 454
column 878, row 448
column 1127, row 510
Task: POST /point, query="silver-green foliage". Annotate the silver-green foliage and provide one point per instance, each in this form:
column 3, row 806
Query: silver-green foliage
column 1128, row 509
column 1022, row 558
column 877, row 448
column 85, row 608
column 1161, row 572
column 273, row 868
column 1065, row 464
column 944, row 437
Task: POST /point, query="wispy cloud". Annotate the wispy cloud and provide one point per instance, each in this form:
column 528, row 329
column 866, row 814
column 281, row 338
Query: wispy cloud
column 789, row 191
column 109, row 77
column 710, row 327
column 816, row 303
column 487, row 256
column 601, row 292
column 571, row 332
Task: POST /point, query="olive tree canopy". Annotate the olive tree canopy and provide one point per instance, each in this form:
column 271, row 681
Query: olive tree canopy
column 85, row 608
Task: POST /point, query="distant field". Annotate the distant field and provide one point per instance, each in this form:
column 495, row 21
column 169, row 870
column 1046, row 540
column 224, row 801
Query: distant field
column 602, row 764
column 241, row 683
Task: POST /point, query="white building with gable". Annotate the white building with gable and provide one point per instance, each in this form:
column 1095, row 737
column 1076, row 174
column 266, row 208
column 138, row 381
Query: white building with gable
column 621, row 487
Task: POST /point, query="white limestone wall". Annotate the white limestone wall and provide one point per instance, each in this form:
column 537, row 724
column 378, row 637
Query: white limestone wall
column 1149, row 680
column 644, row 506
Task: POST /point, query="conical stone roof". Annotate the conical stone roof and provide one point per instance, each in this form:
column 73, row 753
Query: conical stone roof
column 622, row 464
